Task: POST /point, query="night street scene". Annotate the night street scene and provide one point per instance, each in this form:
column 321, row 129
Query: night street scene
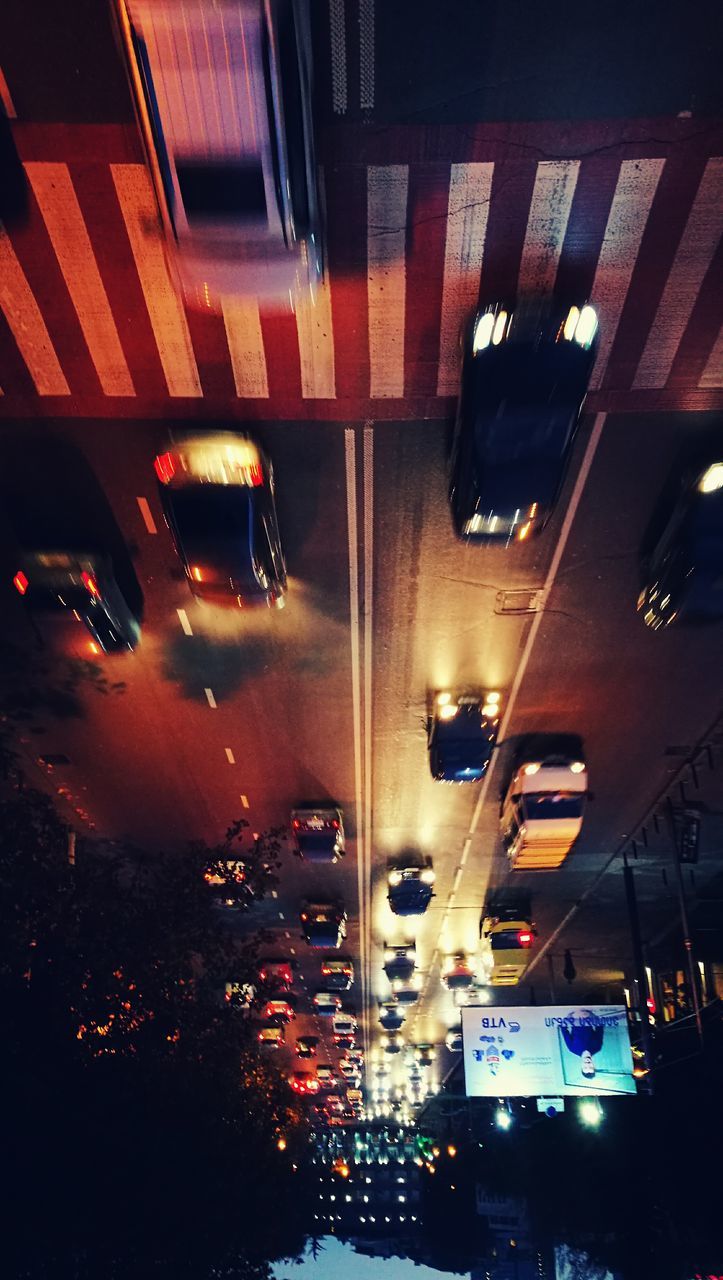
column 361, row 644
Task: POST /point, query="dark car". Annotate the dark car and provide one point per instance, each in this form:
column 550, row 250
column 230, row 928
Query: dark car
column 276, row 975
column 524, row 379
column 79, row 583
column 228, row 881
column 306, row 1046
column 410, row 890
column 462, row 736
column 318, row 833
column 217, row 492
column 391, row 1015
column 685, row 570
column 338, row 973
column 400, row 960
column 323, row 924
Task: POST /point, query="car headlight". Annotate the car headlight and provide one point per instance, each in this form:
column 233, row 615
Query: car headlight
column 577, row 766
column 483, row 330
column 498, row 332
column 427, row 876
column 580, row 325
column 448, row 711
column 529, row 769
column 712, row 479
column 389, row 954
column 395, row 877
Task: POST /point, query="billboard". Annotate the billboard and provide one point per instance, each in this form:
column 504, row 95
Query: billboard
column 548, row 1049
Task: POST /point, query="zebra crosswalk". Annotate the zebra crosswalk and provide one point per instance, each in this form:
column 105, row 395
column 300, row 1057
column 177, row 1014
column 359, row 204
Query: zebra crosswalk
column 90, row 315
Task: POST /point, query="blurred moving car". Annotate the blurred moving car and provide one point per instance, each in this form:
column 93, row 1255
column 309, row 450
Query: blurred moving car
column 391, row 1015
column 349, row 1070
column 407, row 990
column 392, row 1042
column 79, row 584
column 506, row 943
column 453, row 1039
column 462, row 735
column 424, row 1054
column 459, row 972
column 399, row 960
column 410, row 890
column 524, row 379
column 325, row 1075
column 235, row 178
column 338, row 974
column 217, row 493
column 276, row 974
column 326, row 1003
column 306, row 1046
column 542, row 812
column 271, row 1037
column 684, row 573
column 323, row 924
column 304, row 1082
column 318, row 833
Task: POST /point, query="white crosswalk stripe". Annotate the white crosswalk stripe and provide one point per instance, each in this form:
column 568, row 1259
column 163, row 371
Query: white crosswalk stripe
column 555, row 183
column 316, row 345
column 165, row 309
column 695, row 252
column 387, row 187
column 712, row 375
column 58, row 203
column 634, row 192
column 467, row 210
column 27, row 325
column 246, row 347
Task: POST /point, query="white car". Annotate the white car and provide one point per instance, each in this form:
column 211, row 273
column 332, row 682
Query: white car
column 327, row 1003
column 344, row 1024
column 223, row 97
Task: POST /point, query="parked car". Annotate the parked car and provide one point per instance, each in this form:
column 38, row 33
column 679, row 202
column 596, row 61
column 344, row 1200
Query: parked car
column 462, row 735
column 410, row 890
column 323, row 924
column 82, row 584
column 327, row 1003
column 217, row 493
column 235, row 181
column 338, row 974
column 524, row 380
column 318, row 833
column 542, row 812
column 684, row 572
column 506, row 947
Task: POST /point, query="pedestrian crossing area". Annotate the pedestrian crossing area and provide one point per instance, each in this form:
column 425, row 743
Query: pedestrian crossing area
column 89, row 313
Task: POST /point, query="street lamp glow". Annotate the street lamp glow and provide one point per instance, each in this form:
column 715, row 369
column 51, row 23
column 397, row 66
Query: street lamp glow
column 503, row 1119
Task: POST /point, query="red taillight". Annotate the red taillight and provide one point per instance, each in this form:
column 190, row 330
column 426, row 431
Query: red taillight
column 20, row 582
column 256, row 475
column 296, row 824
column 335, row 825
column 90, row 584
column 524, row 939
column 165, row 467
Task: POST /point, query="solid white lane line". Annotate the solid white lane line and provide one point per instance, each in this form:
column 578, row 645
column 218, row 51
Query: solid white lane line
column 210, row 698
column 315, row 332
column 576, row 495
column 352, row 535
column 245, row 801
column 468, row 205
column 27, row 325
column 366, row 54
column 230, row 755
column 145, row 511
column 64, row 222
column 6, row 98
column 712, row 375
column 337, row 32
column 636, row 186
column 698, row 243
column 386, row 276
column 555, row 183
column 165, row 309
column 246, row 347
column 185, row 624
column 368, row 610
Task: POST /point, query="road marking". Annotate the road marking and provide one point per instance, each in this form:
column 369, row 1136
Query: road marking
column 246, row 347
column 27, row 325
column 368, row 638
column 351, row 515
column 555, row 183
column 288, row 935
column 576, row 495
column 64, row 222
column 468, row 204
column 698, row 243
column 712, row 375
column 183, row 619
column 337, row 32
column 366, row 54
column 210, row 698
column 274, row 893
column 292, row 950
column 387, row 187
column 229, row 755
column 145, row 511
column 165, row 310
column 6, row 98
column 636, row 186
column 245, row 801
column 315, row 332
column 281, row 916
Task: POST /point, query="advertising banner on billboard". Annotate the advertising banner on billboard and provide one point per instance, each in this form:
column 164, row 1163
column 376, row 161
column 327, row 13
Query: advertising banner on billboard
column 549, row 1049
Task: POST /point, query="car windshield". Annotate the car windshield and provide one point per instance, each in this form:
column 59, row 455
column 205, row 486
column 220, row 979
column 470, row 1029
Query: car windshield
column 505, row 941
column 215, row 523
column 64, row 595
column 521, row 432
column 222, row 192
column 316, row 841
column 539, row 805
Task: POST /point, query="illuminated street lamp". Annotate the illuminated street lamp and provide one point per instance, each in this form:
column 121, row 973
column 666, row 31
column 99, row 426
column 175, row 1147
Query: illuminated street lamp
column 503, row 1119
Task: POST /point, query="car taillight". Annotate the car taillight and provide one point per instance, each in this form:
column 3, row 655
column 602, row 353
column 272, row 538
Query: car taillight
column 255, row 474
column 90, row 584
column 524, row 939
column 296, row 824
column 165, row 467
column 20, row 582
column 335, row 824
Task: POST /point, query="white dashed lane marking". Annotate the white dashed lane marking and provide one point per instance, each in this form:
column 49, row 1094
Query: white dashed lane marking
column 210, row 698
column 148, row 520
column 230, row 755
column 183, row 619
